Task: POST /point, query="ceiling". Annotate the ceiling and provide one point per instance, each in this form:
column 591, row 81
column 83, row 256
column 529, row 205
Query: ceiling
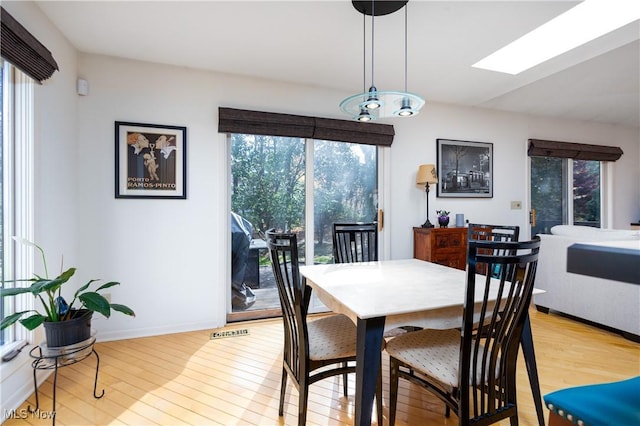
column 320, row 43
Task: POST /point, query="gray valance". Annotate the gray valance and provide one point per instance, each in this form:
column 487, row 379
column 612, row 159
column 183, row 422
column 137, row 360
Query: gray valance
column 231, row 120
column 24, row 51
column 577, row 151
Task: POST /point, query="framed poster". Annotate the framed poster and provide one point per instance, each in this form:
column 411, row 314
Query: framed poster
column 465, row 169
column 151, row 161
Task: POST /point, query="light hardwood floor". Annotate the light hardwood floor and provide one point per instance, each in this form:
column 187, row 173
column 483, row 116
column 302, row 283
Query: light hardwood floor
column 189, row 379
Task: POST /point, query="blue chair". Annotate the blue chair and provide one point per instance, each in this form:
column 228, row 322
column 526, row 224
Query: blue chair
column 604, row 404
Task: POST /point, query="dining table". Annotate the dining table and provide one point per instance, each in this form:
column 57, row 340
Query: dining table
column 383, row 295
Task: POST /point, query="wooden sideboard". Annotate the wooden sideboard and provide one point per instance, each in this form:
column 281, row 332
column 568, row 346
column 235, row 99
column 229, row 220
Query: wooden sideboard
column 446, row 246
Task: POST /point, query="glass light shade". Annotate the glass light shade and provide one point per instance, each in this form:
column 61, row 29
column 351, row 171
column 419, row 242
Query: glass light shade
column 406, row 110
column 391, row 104
column 426, row 174
column 372, row 101
column 364, row 115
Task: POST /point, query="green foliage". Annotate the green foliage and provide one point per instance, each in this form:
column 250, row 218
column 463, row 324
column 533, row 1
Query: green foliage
column 268, row 187
column 586, row 191
column 323, row 260
column 48, row 290
column 549, row 193
column 344, row 185
column 268, row 180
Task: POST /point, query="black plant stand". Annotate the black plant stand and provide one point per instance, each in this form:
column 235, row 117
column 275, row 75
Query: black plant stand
column 54, row 358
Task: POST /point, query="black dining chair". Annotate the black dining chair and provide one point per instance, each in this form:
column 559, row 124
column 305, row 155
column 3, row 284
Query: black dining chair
column 309, row 344
column 355, row 242
column 477, row 231
column 484, row 232
column 473, row 369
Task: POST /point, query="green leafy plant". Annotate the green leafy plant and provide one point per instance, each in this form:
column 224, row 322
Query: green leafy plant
column 442, row 213
column 49, row 291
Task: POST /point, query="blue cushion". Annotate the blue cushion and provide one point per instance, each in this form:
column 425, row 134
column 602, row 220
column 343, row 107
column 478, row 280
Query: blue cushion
column 605, row 404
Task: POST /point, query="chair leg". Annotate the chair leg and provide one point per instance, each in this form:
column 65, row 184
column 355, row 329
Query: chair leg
column 283, row 390
column 526, row 341
column 303, row 397
column 393, row 390
column 345, row 378
column 513, row 420
column 379, row 395
column 447, row 409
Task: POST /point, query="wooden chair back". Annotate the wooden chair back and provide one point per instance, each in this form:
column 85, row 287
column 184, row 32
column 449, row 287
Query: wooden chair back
column 491, row 337
column 355, row 242
column 294, row 299
column 298, row 360
column 483, row 232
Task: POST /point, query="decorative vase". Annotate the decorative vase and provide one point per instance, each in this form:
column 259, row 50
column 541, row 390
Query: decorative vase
column 65, row 333
column 443, row 221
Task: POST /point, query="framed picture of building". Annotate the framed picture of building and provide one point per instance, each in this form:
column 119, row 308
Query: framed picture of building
column 465, row 169
column 150, row 161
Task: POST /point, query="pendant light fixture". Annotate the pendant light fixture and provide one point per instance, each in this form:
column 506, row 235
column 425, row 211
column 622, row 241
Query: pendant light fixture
column 406, row 109
column 372, row 104
column 365, row 115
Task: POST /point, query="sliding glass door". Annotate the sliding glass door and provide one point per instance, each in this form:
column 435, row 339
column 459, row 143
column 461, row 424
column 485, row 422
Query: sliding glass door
column 344, row 190
column 297, row 185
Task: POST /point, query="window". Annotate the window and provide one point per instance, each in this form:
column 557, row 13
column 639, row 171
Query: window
column 565, row 191
column 345, row 190
column 295, row 173
column 586, row 193
column 16, row 219
column 291, row 184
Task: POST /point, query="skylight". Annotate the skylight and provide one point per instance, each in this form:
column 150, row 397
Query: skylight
column 579, row 25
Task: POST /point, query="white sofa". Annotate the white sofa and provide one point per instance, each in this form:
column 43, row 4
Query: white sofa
column 614, row 304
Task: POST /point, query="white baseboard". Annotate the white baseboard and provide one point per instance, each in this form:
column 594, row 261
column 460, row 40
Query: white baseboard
column 108, row 336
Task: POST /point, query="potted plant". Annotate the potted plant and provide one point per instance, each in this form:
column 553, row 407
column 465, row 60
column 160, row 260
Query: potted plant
column 65, row 323
column 443, row 218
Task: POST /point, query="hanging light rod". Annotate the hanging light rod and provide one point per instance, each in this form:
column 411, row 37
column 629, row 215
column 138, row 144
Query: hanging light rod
column 406, row 109
column 372, row 104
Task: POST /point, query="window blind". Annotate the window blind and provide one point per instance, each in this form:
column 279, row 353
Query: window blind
column 23, row 50
column 231, row 120
column 577, row 151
